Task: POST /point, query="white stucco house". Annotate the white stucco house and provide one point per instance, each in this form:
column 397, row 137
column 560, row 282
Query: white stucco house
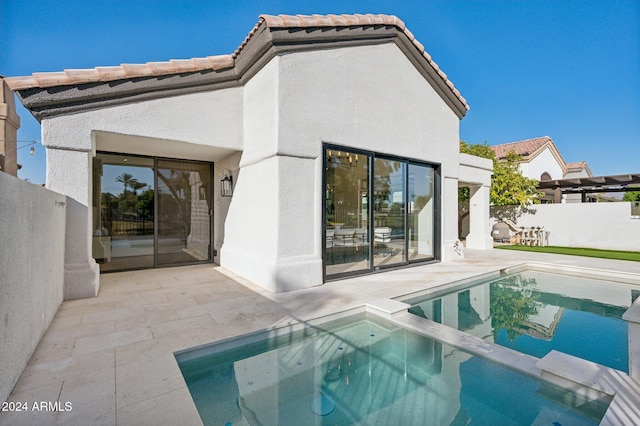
column 323, row 147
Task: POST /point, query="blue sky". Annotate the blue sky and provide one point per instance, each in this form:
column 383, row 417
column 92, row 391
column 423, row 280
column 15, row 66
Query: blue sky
column 566, row 69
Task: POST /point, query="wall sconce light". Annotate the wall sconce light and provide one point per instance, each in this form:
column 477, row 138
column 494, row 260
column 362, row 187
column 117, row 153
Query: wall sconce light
column 226, row 184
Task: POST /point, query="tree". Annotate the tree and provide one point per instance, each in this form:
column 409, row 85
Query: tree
column 513, row 301
column 125, row 179
column 508, row 185
column 144, row 203
column 632, row 196
column 135, row 186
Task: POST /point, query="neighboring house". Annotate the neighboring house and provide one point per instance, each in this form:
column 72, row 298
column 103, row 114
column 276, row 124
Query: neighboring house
column 542, row 161
column 9, row 125
column 323, row 147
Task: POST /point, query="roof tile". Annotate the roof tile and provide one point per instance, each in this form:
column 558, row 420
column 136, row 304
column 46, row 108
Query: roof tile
column 365, row 19
column 410, row 35
column 137, row 70
column 49, row 79
column 338, row 20
column 82, row 75
column 20, row 83
column 221, row 62
column 577, row 165
column 111, row 73
column 419, row 45
column 322, row 20
column 184, row 65
column 161, row 68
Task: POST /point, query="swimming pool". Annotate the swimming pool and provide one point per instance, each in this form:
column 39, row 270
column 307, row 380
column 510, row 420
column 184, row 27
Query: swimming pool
column 365, row 370
column 535, row 312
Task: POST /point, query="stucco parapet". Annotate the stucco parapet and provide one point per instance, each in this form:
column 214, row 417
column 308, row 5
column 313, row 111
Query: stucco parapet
column 476, row 162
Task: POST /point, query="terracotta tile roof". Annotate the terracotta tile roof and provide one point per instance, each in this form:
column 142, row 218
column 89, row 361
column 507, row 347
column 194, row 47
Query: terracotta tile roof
column 73, row 77
column 524, row 148
column 577, row 165
column 125, row 71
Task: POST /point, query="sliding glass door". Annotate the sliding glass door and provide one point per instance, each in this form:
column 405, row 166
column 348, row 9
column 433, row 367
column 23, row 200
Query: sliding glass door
column 123, row 212
column 346, row 212
column 150, row 212
column 184, row 205
column 389, row 212
column 421, row 208
column 379, row 211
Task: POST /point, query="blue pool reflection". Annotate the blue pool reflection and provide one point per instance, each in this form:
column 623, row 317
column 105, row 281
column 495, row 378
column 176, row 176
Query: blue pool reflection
column 535, row 312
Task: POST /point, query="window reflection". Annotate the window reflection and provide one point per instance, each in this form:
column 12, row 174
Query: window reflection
column 421, row 212
column 184, row 224
column 123, row 213
column 149, row 212
column 379, row 212
column 347, row 212
column 388, row 211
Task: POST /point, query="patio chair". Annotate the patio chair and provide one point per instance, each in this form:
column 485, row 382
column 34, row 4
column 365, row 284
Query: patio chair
column 381, row 238
column 361, row 238
column 500, row 233
column 328, row 245
column 344, row 238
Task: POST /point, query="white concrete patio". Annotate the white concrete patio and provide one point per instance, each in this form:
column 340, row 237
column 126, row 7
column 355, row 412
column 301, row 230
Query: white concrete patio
column 112, row 357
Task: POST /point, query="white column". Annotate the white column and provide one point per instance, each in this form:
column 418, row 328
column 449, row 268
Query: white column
column 272, row 230
column 69, row 173
column 451, row 249
column 479, row 229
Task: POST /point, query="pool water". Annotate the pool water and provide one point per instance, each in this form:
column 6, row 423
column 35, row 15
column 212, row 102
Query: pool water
column 536, row 312
column 366, row 371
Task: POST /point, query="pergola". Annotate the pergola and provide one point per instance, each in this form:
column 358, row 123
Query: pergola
column 589, row 185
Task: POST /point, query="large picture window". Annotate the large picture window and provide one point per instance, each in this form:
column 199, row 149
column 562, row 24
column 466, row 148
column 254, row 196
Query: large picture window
column 379, row 211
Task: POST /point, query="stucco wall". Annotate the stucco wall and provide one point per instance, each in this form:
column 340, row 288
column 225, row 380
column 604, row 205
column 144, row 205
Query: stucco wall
column 211, row 118
column 367, row 97
column 543, row 162
column 595, row 225
column 32, row 233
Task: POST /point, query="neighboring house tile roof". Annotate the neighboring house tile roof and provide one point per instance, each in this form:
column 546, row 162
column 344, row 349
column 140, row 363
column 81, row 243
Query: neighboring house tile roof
column 530, row 148
column 579, row 165
column 78, row 77
column 524, row 148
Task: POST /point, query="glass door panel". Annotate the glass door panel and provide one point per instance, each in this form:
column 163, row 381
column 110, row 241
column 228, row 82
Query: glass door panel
column 123, row 213
column 183, row 212
column 421, row 212
column 347, row 212
column 389, row 212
